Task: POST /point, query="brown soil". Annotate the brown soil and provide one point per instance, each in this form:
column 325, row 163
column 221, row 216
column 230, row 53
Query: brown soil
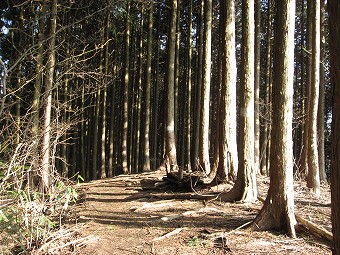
column 126, row 215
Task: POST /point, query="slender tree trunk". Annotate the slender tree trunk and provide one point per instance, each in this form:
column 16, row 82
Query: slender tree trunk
column 170, row 140
column 265, row 140
column 126, row 94
column 278, row 209
column 177, row 65
column 198, row 92
column 313, row 178
column 104, row 101
column 146, row 161
column 139, row 142
column 82, row 123
column 205, row 100
column 156, row 97
column 305, row 149
column 112, row 129
column 189, row 88
column 39, row 74
column 321, row 109
column 18, row 37
column 46, row 146
column 257, row 84
column 96, row 172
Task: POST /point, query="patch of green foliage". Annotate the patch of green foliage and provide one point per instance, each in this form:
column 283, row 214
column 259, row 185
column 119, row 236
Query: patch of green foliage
column 30, row 217
column 195, row 242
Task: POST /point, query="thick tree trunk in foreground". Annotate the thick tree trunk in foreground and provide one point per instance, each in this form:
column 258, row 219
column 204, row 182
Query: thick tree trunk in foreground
column 334, row 39
column 245, row 188
column 278, row 208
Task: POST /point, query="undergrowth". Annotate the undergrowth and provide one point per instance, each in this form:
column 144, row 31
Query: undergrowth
column 28, row 219
column 31, row 218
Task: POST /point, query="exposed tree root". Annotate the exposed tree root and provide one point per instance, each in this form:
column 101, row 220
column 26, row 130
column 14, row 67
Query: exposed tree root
column 314, row 229
column 174, row 232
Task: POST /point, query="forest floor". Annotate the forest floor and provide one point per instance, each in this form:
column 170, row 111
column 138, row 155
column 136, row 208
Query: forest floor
column 141, row 214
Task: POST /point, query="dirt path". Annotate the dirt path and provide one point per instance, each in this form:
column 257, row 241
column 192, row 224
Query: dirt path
column 124, row 219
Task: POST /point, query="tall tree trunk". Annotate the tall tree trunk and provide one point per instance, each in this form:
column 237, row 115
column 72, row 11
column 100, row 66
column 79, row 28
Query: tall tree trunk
column 313, row 178
column 205, row 100
column 83, row 171
column 177, row 65
column 18, row 42
column 96, row 172
column 257, row 84
column 189, row 88
column 37, row 95
column 146, row 161
column 265, row 140
column 198, row 92
column 278, row 209
column 104, row 101
column 170, row 139
column 306, row 124
column 139, row 142
column 334, row 39
column 156, row 96
column 321, row 109
column 126, row 93
column 39, row 74
column 46, row 146
column 228, row 141
column 112, row 125
column 245, row 188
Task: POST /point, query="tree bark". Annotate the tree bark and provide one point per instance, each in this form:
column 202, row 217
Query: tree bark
column 334, row 40
column 146, row 161
column 228, row 142
column 265, row 139
column 313, row 178
column 205, row 100
column 189, row 89
column 278, row 209
column 37, row 94
column 245, row 187
column 198, row 92
column 321, row 109
column 46, row 146
column 257, row 85
column 170, row 150
column 126, row 94
column 305, row 149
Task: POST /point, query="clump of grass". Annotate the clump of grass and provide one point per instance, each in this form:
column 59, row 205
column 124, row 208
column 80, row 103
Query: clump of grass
column 195, row 242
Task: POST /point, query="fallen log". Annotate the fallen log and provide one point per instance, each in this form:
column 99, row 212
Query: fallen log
column 314, row 229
